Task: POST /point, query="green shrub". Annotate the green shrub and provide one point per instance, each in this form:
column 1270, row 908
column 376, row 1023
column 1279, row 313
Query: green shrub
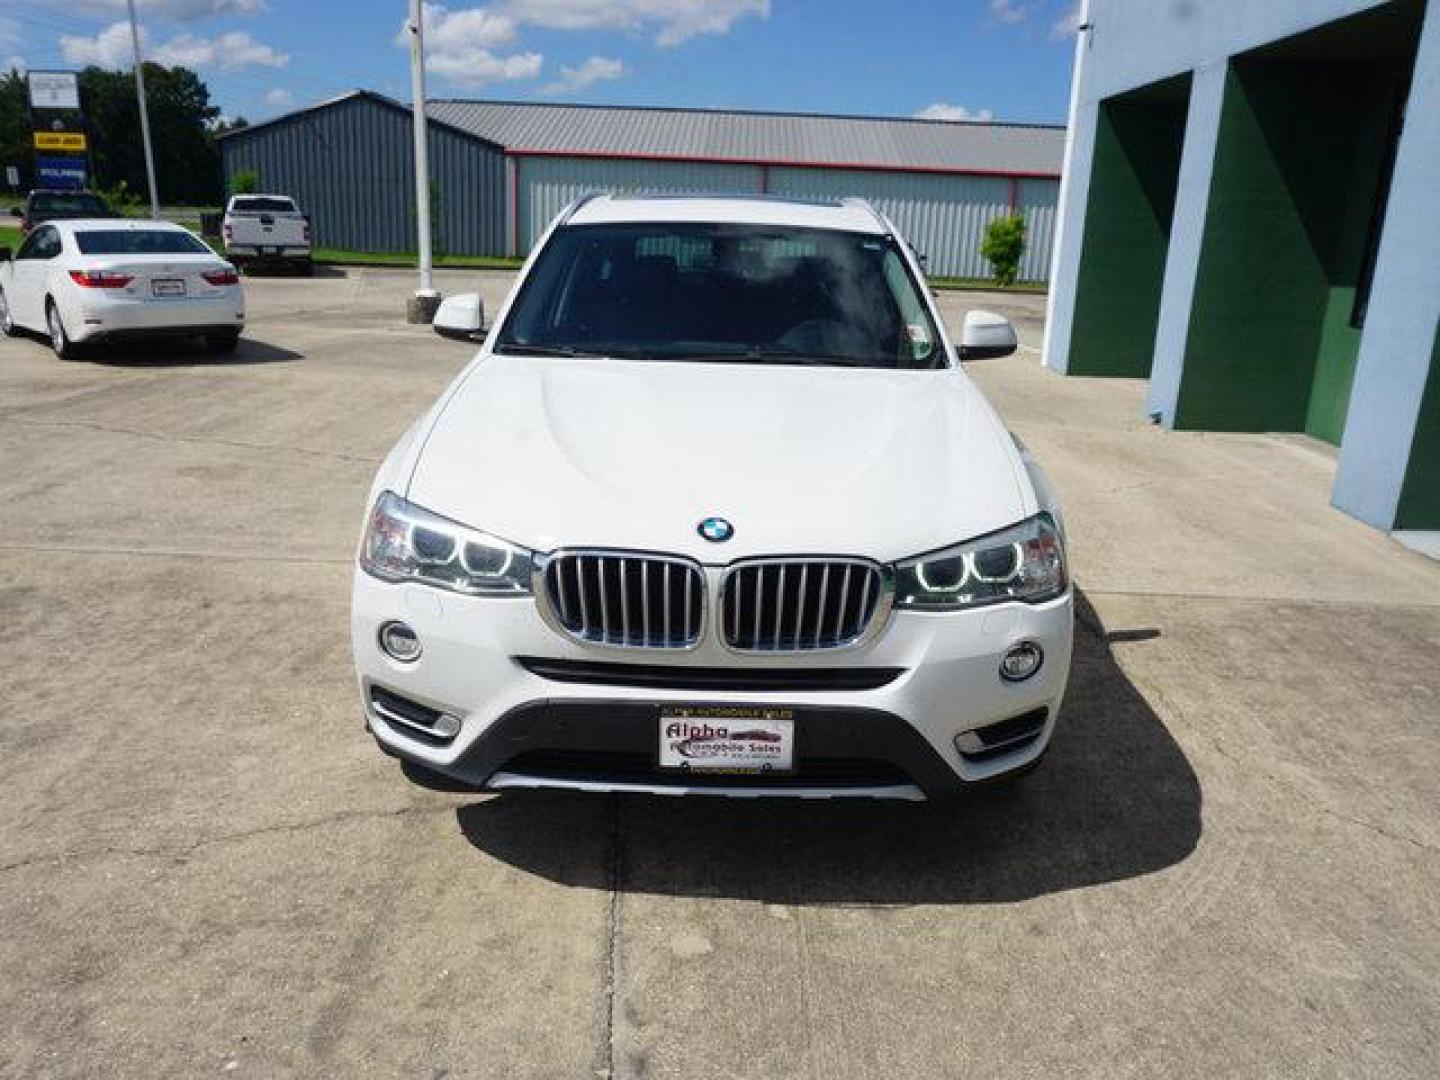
column 1003, row 245
column 244, row 182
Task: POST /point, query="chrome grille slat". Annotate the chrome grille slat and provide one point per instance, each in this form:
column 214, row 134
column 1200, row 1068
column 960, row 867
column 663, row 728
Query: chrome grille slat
column 614, row 599
column 800, row 604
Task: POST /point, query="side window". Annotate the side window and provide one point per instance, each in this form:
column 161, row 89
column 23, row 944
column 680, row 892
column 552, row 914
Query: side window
column 46, row 244
column 29, row 249
column 917, row 323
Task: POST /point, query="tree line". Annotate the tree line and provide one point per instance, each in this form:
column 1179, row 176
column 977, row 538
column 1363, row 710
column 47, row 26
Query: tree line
column 183, row 126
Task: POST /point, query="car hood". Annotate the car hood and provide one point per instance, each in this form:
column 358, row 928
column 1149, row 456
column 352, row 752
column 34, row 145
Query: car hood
column 553, row 453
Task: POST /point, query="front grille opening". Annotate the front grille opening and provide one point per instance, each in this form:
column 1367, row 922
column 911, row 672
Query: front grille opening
column 671, row 677
column 799, row 605
column 628, row 600
column 1005, row 737
column 412, row 719
column 623, row 767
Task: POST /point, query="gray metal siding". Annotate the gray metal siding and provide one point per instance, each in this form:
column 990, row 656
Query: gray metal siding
column 774, row 138
column 350, row 166
column 944, row 217
column 547, row 184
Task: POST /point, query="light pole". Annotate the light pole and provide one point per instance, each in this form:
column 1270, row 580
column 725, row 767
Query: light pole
column 144, row 112
column 421, row 307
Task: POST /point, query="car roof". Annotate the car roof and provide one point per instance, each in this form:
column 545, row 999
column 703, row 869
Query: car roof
column 72, row 225
column 849, row 215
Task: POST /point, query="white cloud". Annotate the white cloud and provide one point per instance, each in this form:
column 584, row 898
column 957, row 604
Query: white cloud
column 1009, row 11
column 279, row 98
column 1067, row 24
column 461, row 46
column 942, row 110
column 672, row 21
column 596, row 69
column 232, row 51
column 110, row 48
column 164, row 10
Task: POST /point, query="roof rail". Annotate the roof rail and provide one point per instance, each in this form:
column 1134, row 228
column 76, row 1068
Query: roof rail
column 858, row 203
column 574, row 208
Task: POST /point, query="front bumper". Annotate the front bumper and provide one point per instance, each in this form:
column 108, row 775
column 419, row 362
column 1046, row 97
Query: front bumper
column 891, row 737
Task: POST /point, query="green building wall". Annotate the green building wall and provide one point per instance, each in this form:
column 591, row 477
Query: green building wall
column 1134, row 172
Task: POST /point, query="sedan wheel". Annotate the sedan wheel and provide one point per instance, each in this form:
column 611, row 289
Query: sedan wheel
column 59, row 340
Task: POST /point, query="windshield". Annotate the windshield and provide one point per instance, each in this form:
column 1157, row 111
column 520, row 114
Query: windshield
column 262, row 205
column 138, row 242
column 757, row 293
column 78, row 203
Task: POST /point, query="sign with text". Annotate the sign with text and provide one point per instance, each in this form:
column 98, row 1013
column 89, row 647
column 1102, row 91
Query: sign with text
column 54, row 90
column 73, row 141
column 65, row 173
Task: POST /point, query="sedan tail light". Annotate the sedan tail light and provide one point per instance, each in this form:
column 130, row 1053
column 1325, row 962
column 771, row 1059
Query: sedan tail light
column 229, row 231
column 221, row 277
column 100, row 279
column 305, row 232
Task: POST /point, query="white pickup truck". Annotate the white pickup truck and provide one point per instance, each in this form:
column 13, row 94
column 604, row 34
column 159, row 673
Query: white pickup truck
column 266, row 229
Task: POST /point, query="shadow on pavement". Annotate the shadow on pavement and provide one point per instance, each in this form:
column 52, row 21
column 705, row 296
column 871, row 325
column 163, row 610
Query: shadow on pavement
column 1115, row 799
column 184, row 352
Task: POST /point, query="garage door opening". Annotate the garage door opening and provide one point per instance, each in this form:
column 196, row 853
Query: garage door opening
column 1307, row 137
column 1135, row 170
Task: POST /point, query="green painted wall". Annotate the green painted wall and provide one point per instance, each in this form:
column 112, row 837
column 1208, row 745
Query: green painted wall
column 1297, row 167
column 1134, row 171
column 1420, row 496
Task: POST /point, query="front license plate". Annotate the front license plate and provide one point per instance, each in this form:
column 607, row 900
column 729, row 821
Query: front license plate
column 168, row 286
column 727, row 739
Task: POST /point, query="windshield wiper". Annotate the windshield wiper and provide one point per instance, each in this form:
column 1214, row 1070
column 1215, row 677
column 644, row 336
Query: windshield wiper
column 515, row 348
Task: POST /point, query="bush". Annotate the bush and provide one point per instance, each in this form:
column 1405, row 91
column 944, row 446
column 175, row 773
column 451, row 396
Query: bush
column 244, row 182
column 1003, row 245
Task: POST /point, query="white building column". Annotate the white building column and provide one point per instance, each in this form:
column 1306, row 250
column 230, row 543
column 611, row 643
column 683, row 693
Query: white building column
column 1069, row 234
column 1187, row 232
column 1404, row 311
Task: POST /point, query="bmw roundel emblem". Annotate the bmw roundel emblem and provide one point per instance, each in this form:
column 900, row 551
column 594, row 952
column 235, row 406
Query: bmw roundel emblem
column 716, row 529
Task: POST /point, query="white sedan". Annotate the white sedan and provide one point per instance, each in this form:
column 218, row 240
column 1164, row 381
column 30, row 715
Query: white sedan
column 91, row 281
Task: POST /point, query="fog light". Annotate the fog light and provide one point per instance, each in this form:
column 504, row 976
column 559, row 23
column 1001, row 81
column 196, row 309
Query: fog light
column 1021, row 661
column 400, row 642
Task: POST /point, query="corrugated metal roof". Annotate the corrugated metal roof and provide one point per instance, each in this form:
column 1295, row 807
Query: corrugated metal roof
column 774, row 138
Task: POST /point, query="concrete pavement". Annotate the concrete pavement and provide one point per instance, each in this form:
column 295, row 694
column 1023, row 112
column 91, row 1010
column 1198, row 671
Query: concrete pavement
column 1227, row 867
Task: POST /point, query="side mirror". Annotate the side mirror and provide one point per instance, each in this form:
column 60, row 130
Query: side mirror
column 461, row 316
column 6, row 254
column 986, row 335
column 15, row 211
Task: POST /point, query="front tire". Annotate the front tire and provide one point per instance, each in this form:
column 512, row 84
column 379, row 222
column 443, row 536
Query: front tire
column 60, row 341
column 7, row 321
column 223, row 344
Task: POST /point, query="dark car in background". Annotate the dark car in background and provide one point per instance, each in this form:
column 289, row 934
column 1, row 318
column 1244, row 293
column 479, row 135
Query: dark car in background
column 43, row 205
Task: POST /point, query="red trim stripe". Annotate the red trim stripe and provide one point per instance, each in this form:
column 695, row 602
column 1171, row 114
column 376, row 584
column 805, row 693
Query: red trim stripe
column 685, row 159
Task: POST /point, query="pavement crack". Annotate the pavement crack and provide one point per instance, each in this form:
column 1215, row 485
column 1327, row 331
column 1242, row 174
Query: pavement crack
column 612, row 953
column 180, row 851
column 198, row 440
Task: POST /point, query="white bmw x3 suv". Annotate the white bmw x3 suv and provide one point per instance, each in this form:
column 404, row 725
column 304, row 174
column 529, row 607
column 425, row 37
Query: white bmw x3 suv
column 716, row 509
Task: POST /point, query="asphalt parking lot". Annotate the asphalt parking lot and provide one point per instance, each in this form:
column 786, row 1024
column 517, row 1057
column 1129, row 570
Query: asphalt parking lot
column 1230, row 865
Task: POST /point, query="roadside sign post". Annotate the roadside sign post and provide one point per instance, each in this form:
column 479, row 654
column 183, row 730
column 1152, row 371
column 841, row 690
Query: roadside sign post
column 144, row 112
column 421, row 307
column 59, row 137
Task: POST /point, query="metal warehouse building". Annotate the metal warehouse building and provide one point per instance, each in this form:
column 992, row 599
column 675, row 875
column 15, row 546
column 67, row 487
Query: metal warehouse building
column 502, row 170
column 1249, row 223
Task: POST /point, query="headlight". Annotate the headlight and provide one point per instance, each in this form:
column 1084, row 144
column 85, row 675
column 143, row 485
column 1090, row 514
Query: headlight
column 1023, row 562
column 403, row 542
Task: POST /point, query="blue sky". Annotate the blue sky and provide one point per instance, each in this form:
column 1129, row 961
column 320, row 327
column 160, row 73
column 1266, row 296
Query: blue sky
column 955, row 59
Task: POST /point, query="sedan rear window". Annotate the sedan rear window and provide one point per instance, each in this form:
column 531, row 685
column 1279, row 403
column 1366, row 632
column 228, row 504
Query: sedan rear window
column 62, row 203
column 138, row 242
column 260, row 205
